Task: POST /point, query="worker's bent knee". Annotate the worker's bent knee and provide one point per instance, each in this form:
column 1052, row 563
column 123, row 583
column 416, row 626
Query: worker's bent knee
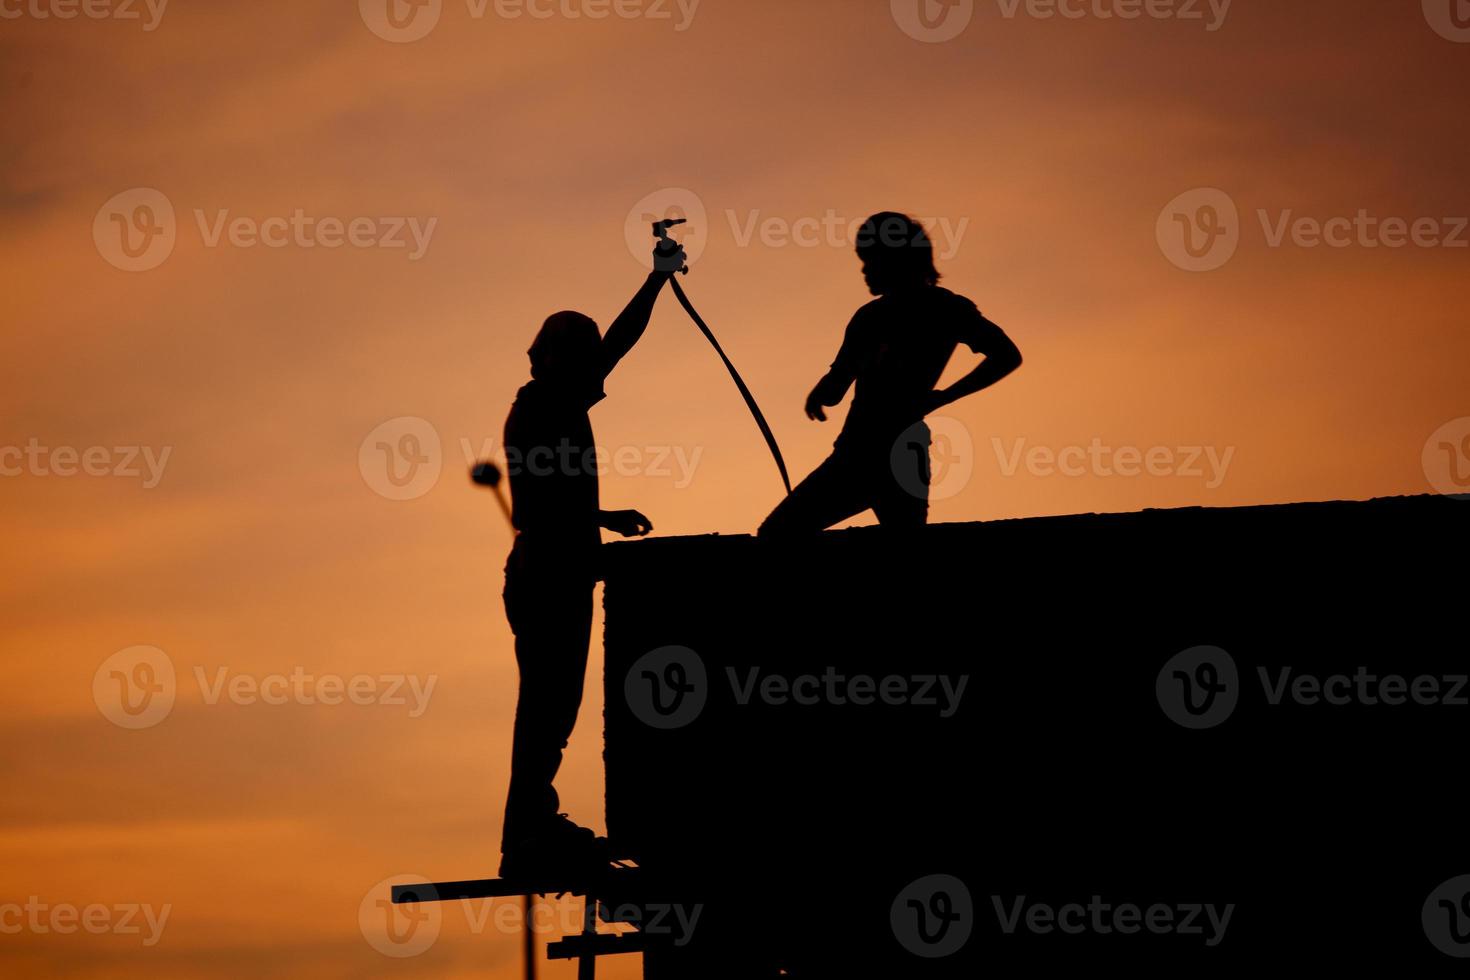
column 786, row 525
column 780, row 523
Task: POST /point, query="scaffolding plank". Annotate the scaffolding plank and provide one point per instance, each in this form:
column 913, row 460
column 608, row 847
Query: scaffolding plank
column 603, row 944
column 455, row 891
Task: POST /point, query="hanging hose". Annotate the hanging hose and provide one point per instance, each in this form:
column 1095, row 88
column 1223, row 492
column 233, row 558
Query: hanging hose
column 755, row 409
column 661, row 230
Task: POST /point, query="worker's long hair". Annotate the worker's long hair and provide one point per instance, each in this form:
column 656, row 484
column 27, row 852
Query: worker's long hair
column 898, row 246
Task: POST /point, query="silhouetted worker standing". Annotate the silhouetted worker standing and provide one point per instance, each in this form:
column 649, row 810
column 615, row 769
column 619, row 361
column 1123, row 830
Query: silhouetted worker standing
column 552, row 570
column 895, row 350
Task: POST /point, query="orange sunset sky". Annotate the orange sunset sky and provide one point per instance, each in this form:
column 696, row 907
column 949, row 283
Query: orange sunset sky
column 190, row 435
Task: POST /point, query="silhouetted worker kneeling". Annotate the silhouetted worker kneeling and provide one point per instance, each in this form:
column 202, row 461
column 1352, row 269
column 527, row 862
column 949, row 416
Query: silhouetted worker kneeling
column 552, row 570
column 896, row 349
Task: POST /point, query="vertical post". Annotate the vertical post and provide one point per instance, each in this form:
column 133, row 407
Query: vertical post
column 587, row 962
column 528, row 923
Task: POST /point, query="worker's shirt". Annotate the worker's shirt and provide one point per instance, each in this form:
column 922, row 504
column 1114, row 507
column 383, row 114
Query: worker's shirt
column 552, row 465
column 896, row 349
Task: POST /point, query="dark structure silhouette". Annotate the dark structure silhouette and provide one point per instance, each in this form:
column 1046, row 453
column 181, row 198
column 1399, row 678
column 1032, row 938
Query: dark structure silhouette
column 1084, row 758
column 553, row 566
column 894, row 351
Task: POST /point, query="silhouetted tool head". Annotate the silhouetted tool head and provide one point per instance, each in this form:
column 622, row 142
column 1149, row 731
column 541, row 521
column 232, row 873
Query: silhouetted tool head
column 666, row 245
column 485, row 474
column 661, row 228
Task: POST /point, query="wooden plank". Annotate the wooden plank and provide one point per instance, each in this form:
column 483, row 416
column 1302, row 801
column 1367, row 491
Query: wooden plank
column 606, row 944
column 456, row 891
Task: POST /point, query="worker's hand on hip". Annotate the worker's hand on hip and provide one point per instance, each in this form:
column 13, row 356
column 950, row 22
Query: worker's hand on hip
column 814, row 407
column 628, row 523
column 669, row 257
column 933, row 402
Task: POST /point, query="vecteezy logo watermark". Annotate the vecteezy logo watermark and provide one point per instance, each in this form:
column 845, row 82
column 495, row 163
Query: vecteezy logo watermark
column 90, row 9
column 675, row 463
column 935, row 21
column 667, row 204
column 1446, row 458
column 135, row 688
column 932, row 21
column 1446, row 917
column 401, row 459
column 403, row 21
column 399, row 931
column 1449, row 18
column 1199, row 687
column 755, row 227
column 839, row 690
column 1097, row 459
column 1362, row 688
column 934, row 459
column 566, row 459
column 35, row 459
column 301, row 230
column 1362, row 230
column 409, row 929
column 300, row 687
column 64, row 919
column 1211, row 13
column 951, row 457
column 933, row 916
column 1102, row 918
column 667, row 688
column 400, row 21
column 1199, row 230
column 833, row 230
column 136, row 231
column 665, row 920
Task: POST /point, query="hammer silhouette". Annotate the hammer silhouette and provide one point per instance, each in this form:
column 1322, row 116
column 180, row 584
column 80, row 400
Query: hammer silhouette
column 487, row 474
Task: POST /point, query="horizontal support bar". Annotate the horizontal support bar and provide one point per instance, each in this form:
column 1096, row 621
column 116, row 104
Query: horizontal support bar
column 604, row 944
column 456, row 891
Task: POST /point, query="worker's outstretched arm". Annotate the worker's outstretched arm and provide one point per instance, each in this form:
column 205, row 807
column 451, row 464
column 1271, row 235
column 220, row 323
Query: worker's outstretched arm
column 628, row 523
column 628, row 328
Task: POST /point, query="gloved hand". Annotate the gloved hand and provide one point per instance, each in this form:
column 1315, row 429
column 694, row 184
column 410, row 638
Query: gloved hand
column 669, row 257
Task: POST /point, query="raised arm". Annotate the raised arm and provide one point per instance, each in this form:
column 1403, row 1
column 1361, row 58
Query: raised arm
column 628, row 328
